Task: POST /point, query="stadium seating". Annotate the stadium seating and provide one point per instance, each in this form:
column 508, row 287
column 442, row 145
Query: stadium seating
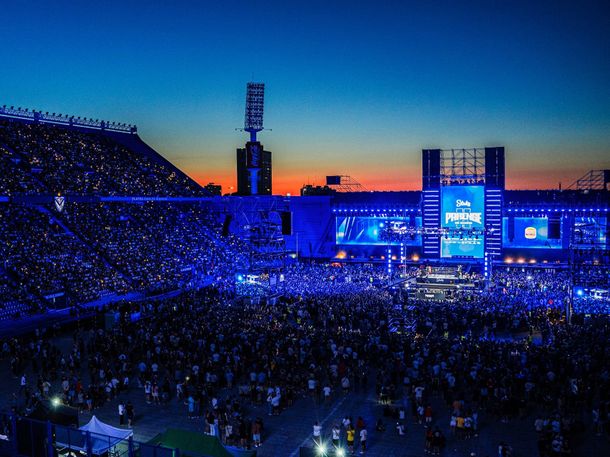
column 57, row 159
column 90, row 251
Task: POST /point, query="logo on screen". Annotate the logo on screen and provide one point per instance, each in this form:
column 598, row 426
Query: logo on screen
column 463, row 216
column 530, row 233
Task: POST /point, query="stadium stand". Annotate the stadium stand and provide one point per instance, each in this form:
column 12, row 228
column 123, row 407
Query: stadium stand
column 92, row 251
column 58, row 159
column 40, row 254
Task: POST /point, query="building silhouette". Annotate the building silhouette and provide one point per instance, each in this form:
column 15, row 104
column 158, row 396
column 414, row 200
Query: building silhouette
column 263, row 176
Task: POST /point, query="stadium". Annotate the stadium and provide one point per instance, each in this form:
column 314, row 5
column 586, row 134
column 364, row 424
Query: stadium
column 446, row 312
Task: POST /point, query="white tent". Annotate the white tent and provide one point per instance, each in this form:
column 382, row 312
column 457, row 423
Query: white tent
column 103, row 437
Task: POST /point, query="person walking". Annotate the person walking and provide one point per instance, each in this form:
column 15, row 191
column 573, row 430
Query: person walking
column 350, row 435
column 336, row 435
column 363, row 437
column 130, row 414
column 256, row 432
column 121, row 413
column 317, row 433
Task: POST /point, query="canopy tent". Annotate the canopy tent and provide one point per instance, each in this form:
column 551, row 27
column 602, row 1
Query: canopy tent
column 103, row 436
column 193, row 444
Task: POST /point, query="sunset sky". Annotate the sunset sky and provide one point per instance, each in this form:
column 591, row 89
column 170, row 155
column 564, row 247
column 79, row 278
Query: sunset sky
column 353, row 87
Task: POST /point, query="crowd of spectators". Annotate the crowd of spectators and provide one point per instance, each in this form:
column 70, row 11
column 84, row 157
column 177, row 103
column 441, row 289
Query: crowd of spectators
column 502, row 355
column 313, row 279
column 89, row 251
column 16, row 301
column 157, row 246
column 41, row 256
column 497, row 354
column 64, row 160
column 13, row 178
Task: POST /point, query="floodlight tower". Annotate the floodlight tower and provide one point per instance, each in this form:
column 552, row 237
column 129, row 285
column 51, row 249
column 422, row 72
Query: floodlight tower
column 253, row 123
column 255, row 106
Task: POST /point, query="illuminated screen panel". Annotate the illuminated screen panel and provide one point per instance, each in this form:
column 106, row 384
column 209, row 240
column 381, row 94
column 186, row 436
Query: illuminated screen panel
column 463, row 209
column 529, row 233
column 362, row 230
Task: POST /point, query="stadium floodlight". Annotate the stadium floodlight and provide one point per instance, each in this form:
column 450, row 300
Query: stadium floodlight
column 255, row 105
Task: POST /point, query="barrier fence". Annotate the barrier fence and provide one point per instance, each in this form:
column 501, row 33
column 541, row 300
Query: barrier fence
column 26, row 437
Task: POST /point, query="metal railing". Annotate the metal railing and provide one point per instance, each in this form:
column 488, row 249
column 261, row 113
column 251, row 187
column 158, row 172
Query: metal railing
column 65, row 119
column 26, row 437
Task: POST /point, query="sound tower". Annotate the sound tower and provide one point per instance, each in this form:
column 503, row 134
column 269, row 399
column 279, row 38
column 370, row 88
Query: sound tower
column 431, row 168
column 494, row 168
column 554, row 227
column 286, row 217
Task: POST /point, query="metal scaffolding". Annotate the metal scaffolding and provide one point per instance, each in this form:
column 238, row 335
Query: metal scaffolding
column 593, row 180
column 589, row 262
column 463, row 166
column 347, row 184
column 258, row 223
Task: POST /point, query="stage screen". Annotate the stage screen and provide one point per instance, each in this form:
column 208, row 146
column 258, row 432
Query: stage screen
column 530, row 233
column 463, row 209
column 363, row 230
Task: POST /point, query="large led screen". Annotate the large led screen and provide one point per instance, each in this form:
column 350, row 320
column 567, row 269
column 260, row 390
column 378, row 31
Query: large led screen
column 463, row 215
column 362, row 230
column 529, row 232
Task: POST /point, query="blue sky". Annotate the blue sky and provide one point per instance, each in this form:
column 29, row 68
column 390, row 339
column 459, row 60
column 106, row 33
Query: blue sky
column 354, row 87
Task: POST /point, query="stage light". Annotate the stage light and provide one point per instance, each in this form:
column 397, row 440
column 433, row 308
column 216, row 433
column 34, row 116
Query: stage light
column 56, row 401
column 321, row 448
column 340, row 452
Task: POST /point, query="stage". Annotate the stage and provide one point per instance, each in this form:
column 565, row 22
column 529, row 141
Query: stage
column 444, row 283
